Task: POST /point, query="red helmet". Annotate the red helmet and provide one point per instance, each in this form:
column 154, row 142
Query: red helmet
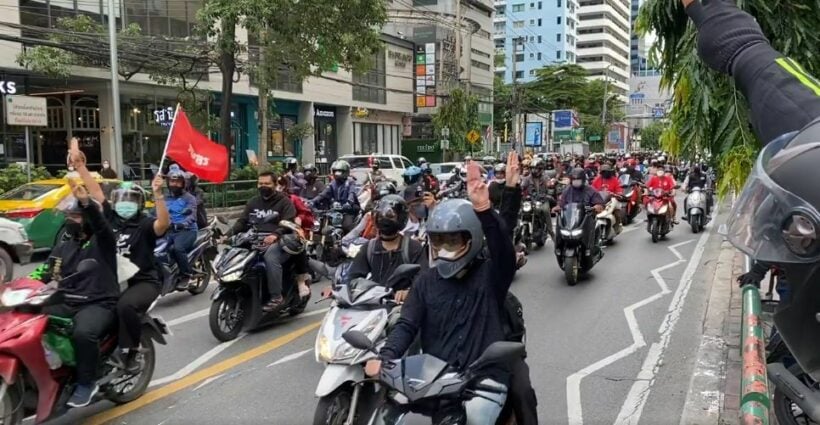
column 630, row 162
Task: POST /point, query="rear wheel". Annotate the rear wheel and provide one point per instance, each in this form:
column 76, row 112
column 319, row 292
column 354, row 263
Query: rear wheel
column 226, row 318
column 571, row 270
column 203, row 276
column 11, row 405
column 333, row 408
column 130, row 387
column 789, row 413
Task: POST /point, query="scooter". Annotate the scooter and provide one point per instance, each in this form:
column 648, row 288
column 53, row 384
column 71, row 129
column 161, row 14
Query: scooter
column 606, row 222
column 659, row 221
column 36, row 354
column 633, row 192
column 429, row 386
column 366, row 306
column 240, row 270
column 577, row 242
column 199, row 257
column 696, row 210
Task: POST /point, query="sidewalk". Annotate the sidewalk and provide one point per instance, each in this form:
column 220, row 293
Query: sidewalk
column 713, row 396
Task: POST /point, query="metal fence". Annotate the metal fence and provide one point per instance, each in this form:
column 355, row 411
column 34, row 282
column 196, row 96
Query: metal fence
column 229, row 193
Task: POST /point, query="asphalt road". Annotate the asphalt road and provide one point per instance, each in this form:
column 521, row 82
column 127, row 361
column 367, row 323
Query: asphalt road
column 617, row 348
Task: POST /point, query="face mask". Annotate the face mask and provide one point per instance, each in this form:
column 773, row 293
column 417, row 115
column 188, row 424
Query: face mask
column 339, row 177
column 176, row 191
column 606, row 174
column 105, row 165
column 126, row 209
column 73, row 229
column 265, row 191
column 577, row 183
column 388, row 229
column 448, row 255
column 660, row 173
column 500, row 180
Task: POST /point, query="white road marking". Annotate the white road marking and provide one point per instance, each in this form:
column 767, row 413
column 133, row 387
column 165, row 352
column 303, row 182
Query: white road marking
column 574, row 408
column 208, row 381
column 290, row 357
column 635, row 401
column 199, row 361
column 189, row 317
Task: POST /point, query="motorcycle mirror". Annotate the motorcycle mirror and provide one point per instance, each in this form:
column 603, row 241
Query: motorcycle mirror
column 402, row 272
column 497, row 352
column 358, row 339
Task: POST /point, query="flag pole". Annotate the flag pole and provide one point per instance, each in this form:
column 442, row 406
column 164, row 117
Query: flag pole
column 168, row 139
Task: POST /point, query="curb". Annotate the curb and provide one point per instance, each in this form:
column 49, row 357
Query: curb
column 706, row 398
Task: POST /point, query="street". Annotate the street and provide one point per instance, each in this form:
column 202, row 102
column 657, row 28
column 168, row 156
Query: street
column 617, row 348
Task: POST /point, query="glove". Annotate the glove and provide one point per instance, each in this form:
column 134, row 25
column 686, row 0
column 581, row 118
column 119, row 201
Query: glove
column 724, row 31
column 749, row 278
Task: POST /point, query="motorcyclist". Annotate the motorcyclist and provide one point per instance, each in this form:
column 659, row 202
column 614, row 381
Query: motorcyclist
column 340, row 190
column 536, row 186
column 182, row 234
column 456, row 306
column 421, row 161
column 498, row 184
column 412, row 176
column 259, row 207
column 579, row 192
column 774, row 220
column 313, row 186
column 608, row 181
column 664, row 181
column 366, row 227
column 631, row 169
column 199, row 195
column 697, row 178
column 91, row 300
column 376, row 174
column 428, row 180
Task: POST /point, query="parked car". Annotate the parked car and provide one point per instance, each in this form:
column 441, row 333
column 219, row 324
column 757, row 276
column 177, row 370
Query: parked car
column 444, row 170
column 391, row 165
column 38, row 207
column 14, row 248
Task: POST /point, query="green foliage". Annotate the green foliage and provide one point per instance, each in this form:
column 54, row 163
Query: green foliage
column 47, row 60
column 247, row 172
column 459, row 113
column 298, row 132
column 709, row 116
column 14, row 176
column 651, row 135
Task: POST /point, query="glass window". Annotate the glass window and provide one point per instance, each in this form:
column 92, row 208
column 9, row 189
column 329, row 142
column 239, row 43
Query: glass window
column 29, row 191
column 539, row 22
column 532, row 55
column 539, row 55
column 519, row 74
column 539, row 5
column 371, row 85
column 558, row 20
column 559, row 3
column 558, row 37
column 539, row 38
column 518, row 24
column 557, row 54
column 406, row 162
column 518, row 7
column 519, row 57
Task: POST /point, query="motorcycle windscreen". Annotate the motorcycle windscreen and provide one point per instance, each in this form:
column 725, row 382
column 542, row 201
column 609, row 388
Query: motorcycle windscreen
column 624, row 180
column 799, row 324
column 572, row 215
column 419, row 372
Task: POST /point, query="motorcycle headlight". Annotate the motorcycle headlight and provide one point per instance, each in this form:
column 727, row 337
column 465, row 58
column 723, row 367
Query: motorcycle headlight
column 539, row 204
column 323, row 349
column 526, row 207
column 663, row 209
column 13, row 297
column 565, row 232
column 233, row 276
column 577, row 232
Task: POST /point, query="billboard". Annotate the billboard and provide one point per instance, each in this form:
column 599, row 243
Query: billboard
column 563, row 119
column 426, row 75
column 533, row 134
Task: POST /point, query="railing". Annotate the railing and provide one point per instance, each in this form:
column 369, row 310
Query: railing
column 229, row 193
column 754, row 383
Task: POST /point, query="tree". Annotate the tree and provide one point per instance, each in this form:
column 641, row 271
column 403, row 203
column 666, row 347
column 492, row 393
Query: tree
column 651, row 135
column 709, row 115
column 459, row 113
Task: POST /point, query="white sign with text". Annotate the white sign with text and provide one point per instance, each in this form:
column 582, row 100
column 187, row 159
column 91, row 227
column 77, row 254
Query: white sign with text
column 26, row 111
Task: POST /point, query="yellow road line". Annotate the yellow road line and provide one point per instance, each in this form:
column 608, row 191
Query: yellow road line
column 200, row 376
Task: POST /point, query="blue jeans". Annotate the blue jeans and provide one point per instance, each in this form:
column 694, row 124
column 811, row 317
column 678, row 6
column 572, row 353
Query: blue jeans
column 182, row 243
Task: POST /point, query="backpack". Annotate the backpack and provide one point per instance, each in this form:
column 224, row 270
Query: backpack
column 405, row 250
column 513, row 318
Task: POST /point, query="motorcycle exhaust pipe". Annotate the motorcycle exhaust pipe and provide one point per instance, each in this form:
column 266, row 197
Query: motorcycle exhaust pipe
column 806, row 398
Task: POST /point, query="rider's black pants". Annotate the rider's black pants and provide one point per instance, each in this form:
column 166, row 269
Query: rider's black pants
column 521, row 395
column 131, row 305
column 90, row 324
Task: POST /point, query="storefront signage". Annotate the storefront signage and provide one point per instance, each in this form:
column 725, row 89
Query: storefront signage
column 426, row 148
column 26, row 111
column 326, row 113
column 8, row 87
column 164, row 116
column 400, row 59
column 426, row 76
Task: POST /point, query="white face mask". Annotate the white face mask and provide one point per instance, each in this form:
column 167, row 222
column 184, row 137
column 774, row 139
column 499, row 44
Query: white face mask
column 577, row 183
column 660, row 173
column 105, row 165
column 500, row 180
column 446, row 254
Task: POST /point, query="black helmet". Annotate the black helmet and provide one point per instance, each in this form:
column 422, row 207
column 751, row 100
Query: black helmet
column 127, row 200
column 391, row 216
column 776, row 220
column 578, row 173
column 310, row 171
column 455, row 236
column 606, row 171
column 383, row 189
column 340, row 170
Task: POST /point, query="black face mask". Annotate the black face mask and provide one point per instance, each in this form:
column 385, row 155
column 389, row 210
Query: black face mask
column 607, row 174
column 176, row 191
column 73, row 229
column 339, row 177
column 420, row 211
column 266, row 192
column 388, row 229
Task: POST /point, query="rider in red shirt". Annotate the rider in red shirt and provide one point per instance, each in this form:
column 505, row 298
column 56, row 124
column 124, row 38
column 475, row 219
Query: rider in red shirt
column 607, row 179
column 664, row 181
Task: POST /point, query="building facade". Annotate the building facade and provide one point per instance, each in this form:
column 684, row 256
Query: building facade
column 531, row 34
column 640, row 45
column 603, row 46
column 647, row 102
column 348, row 112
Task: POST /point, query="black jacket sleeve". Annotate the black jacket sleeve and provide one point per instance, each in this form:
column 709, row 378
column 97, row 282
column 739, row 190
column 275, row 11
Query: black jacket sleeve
column 782, row 96
column 242, row 222
column 103, row 232
column 412, row 317
column 359, row 267
column 510, row 206
column 287, row 212
column 502, row 252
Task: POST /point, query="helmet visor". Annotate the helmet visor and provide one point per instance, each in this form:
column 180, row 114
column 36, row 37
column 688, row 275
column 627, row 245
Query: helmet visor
column 449, row 246
column 769, row 223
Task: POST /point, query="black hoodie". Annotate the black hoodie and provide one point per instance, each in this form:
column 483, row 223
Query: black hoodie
column 258, row 208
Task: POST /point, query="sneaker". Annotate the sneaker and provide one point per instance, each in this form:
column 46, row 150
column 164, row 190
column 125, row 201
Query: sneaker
column 273, row 304
column 184, row 282
column 83, row 395
column 132, row 364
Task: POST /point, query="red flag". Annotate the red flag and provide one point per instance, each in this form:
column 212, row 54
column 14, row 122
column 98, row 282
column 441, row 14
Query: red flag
column 195, row 152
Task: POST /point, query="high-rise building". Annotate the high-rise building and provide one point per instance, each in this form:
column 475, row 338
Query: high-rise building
column 603, row 46
column 531, row 34
column 640, row 45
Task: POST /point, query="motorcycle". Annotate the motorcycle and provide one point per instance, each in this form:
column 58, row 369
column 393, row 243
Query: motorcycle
column 633, row 191
column 607, row 223
column 240, row 271
column 658, row 214
column 199, row 257
column 365, row 306
column 37, row 378
column 696, row 211
column 326, row 237
column 429, row 386
column 577, row 244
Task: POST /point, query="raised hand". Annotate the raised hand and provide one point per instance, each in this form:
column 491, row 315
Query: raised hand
column 76, row 157
column 79, row 192
column 513, row 175
column 477, row 188
column 157, row 184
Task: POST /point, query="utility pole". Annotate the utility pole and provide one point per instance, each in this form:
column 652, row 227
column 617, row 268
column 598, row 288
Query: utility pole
column 606, row 94
column 117, row 160
column 458, row 41
column 515, row 100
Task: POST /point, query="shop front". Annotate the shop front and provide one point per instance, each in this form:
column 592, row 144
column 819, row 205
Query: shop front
column 377, row 131
column 326, row 134
column 285, row 116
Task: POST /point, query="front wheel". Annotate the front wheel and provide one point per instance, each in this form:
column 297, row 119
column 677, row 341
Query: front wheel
column 571, row 270
column 226, row 318
column 694, row 221
column 130, row 387
column 333, row 408
column 6, row 266
column 203, row 277
column 11, row 405
column 654, row 230
column 787, row 412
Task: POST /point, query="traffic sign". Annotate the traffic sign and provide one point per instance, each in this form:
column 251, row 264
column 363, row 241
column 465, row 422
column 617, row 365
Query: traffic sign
column 445, row 144
column 595, row 138
column 473, row 136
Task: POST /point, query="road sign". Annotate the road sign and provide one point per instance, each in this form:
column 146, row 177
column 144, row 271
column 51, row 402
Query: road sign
column 595, row 138
column 473, row 136
column 445, row 144
column 26, row 111
column 658, row 112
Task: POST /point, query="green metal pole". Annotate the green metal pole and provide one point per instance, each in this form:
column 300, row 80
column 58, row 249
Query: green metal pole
column 754, row 384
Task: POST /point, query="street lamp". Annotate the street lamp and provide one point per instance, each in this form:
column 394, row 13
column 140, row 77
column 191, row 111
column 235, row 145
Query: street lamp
column 606, row 98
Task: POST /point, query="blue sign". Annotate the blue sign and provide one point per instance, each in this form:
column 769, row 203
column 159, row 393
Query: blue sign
column 658, row 112
column 637, row 95
column 563, row 119
column 533, row 134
